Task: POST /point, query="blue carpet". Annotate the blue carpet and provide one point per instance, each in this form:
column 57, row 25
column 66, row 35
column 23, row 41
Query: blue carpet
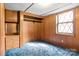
column 40, row 49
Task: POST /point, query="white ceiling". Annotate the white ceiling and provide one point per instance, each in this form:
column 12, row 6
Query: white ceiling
column 17, row 6
column 39, row 9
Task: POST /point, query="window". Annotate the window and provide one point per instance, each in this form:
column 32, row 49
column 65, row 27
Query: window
column 64, row 23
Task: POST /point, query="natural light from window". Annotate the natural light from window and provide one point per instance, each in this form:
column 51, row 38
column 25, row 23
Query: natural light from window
column 64, row 23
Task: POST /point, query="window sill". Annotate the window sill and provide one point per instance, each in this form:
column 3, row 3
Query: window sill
column 65, row 34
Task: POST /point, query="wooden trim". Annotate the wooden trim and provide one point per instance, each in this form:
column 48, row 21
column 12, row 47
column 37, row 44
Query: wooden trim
column 2, row 29
column 33, row 21
column 12, row 34
column 11, row 22
column 18, row 15
column 21, row 29
column 18, row 19
column 32, row 17
column 65, row 22
column 74, row 22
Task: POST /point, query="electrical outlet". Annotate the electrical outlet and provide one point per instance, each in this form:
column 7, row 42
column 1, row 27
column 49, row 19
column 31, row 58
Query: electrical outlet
column 62, row 41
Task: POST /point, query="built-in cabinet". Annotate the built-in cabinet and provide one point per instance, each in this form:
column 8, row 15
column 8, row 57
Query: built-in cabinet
column 11, row 29
column 12, row 41
column 11, row 22
column 20, row 28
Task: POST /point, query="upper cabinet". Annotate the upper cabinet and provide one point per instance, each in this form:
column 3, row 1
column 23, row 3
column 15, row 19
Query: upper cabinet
column 11, row 16
column 31, row 17
column 11, row 22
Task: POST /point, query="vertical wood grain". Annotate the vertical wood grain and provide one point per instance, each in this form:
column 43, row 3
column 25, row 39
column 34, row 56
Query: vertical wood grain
column 12, row 19
column 12, row 41
column 21, row 29
column 29, row 31
column 11, row 16
column 2, row 29
column 68, row 41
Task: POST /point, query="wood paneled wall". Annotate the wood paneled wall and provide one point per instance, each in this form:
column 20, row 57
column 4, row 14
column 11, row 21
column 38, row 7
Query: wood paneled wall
column 2, row 29
column 49, row 32
column 29, row 31
column 48, row 27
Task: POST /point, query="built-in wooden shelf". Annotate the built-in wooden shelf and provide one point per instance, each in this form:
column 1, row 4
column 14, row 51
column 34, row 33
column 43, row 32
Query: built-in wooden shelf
column 11, row 23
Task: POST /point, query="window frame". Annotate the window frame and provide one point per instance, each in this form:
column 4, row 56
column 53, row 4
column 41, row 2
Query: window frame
column 57, row 23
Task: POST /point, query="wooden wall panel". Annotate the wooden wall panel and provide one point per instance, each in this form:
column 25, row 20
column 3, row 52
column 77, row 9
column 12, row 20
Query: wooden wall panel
column 77, row 23
column 68, row 41
column 12, row 41
column 49, row 27
column 37, row 31
column 29, row 31
column 2, row 29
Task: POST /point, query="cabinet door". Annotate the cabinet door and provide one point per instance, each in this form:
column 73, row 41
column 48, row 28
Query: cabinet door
column 11, row 16
column 12, row 41
column 12, row 22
